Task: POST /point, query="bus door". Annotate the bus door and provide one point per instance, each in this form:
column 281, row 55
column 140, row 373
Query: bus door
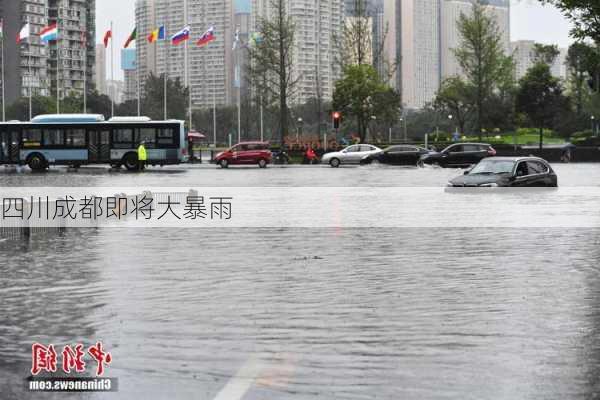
column 99, row 146
column 14, row 144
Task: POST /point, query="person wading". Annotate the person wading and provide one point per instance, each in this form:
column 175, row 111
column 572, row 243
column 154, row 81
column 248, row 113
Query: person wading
column 142, row 156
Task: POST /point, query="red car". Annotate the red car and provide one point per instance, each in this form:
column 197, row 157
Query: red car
column 247, row 153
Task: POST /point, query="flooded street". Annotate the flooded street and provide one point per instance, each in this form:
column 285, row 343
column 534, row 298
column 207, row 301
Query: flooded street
column 289, row 313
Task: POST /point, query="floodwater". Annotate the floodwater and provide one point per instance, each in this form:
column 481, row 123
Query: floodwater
column 308, row 313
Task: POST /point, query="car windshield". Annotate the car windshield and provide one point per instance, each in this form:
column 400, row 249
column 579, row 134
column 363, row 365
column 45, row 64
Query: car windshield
column 493, row 167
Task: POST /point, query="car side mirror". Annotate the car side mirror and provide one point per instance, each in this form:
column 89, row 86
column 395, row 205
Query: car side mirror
column 466, row 172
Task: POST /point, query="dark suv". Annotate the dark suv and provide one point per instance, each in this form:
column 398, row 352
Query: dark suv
column 248, row 153
column 459, row 155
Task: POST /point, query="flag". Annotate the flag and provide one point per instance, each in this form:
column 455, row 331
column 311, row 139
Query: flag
column 181, row 36
column 157, row 34
column 107, row 37
column 207, row 37
column 23, row 34
column 49, row 33
column 236, row 39
column 131, row 38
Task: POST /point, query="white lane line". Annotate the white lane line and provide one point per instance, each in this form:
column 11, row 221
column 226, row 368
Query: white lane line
column 243, row 380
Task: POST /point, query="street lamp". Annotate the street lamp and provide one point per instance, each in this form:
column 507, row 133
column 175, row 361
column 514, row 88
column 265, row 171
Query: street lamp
column 456, row 135
column 593, row 125
column 299, row 130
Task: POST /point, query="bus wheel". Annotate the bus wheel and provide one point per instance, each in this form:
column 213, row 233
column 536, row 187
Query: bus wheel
column 37, row 162
column 131, row 162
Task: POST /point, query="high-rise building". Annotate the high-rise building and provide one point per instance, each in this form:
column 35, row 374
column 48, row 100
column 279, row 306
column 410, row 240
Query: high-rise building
column 129, row 67
column 100, row 72
column 413, row 43
column 208, row 74
column 523, row 52
column 318, row 23
column 498, row 10
column 420, row 39
column 32, row 64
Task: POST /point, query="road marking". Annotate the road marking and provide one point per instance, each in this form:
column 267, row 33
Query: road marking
column 243, row 380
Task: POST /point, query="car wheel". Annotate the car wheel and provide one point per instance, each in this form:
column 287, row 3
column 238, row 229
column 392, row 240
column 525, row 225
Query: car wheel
column 37, row 162
column 130, row 161
column 224, row 163
column 335, row 162
column 262, row 163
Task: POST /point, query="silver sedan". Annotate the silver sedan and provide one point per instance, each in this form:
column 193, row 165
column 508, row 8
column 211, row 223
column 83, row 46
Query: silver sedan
column 350, row 155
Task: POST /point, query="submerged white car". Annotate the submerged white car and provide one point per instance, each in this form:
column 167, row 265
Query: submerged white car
column 350, row 155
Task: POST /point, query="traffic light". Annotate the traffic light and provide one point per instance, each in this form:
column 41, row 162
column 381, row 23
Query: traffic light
column 337, row 117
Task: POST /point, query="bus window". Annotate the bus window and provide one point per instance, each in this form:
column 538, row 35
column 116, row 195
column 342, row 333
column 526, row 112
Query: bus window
column 53, row 137
column 148, row 136
column 32, row 137
column 166, row 136
column 75, row 138
column 123, row 138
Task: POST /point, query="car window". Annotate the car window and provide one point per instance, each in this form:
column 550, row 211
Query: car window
column 353, row 149
column 522, row 169
column 402, row 149
column 366, row 148
column 536, row 167
column 454, row 149
column 471, row 147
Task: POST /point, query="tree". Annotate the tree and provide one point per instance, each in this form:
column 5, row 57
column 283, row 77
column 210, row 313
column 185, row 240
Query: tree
column 271, row 60
column 545, row 53
column 19, row 110
column 153, row 101
column 362, row 94
column 584, row 14
column 576, row 62
column 454, row 98
column 482, row 60
column 540, row 97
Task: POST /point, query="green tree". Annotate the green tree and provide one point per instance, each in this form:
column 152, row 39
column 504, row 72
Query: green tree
column 98, row 104
column 19, row 110
column 362, row 94
column 540, row 98
column 584, row 14
column 153, row 100
column 482, row 60
column 271, row 60
column 578, row 73
column 455, row 98
column 545, row 53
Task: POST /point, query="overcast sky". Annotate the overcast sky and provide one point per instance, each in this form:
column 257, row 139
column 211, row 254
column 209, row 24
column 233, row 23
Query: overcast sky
column 529, row 20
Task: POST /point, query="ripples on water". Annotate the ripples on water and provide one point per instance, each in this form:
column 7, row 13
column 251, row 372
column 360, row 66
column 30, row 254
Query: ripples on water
column 330, row 313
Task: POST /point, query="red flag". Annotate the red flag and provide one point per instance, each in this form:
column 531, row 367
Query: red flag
column 107, row 37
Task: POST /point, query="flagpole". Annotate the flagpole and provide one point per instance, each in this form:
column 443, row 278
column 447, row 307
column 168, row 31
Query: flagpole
column 166, row 45
column 139, row 90
column 262, row 134
column 3, row 97
column 58, row 63
column 85, row 74
column 30, row 76
column 239, row 94
column 112, row 70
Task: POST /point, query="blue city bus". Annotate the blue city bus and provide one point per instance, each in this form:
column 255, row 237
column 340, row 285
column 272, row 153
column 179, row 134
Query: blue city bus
column 80, row 139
